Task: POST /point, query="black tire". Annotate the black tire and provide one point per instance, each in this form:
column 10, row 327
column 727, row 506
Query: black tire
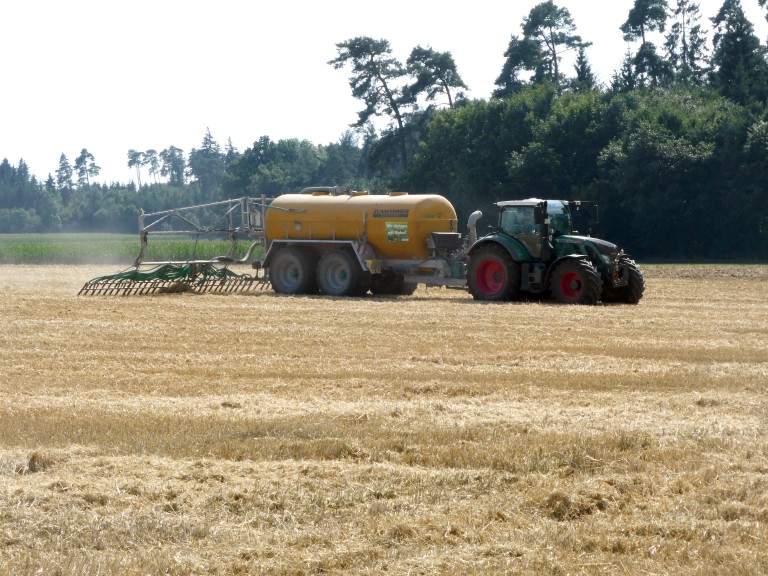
column 339, row 274
column 493, row 275
column 576, row 281
column 408, row 288
column 388, row 283
column 292, row 271
column 633, row 291
column 365, row 283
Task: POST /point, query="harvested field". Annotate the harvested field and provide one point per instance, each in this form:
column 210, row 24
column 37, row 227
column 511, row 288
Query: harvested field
column 265, row 434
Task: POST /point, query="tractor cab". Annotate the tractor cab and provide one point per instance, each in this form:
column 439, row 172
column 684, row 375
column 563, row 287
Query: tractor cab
column 521, row 221
column 534, row 223
column 538, row 224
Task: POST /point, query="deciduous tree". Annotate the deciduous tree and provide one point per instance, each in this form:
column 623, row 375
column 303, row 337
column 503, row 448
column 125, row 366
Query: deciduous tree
column 172, row 165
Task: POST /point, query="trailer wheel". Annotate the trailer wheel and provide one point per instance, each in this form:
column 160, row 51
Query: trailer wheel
column 493, row 275
column 292, row 271
column 339, row 274
column 575, row 281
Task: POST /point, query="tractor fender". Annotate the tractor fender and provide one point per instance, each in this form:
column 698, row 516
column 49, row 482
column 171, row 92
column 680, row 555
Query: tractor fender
column 514, row 247
column 557, row 261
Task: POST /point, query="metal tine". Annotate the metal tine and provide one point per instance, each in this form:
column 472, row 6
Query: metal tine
column 195, row 282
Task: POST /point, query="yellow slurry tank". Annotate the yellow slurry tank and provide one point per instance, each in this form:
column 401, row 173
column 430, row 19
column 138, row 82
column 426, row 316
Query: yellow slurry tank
column 396, row 225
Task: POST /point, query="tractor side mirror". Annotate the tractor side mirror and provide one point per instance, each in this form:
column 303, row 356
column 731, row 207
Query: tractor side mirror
column 596, row 214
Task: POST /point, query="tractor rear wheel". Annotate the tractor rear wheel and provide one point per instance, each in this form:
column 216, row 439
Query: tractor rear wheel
column 493, row 275
column 292, row 271
column 575, row 281
column 633, row 291
column 339, row 274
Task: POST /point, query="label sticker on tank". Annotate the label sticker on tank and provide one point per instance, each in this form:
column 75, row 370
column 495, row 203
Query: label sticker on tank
column 391, row 212
column 396, row 231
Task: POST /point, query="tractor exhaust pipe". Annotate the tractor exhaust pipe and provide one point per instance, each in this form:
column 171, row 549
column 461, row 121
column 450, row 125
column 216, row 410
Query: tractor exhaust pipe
column 472, row 226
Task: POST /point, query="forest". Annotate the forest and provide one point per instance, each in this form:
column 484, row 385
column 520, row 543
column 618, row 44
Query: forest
column 674, row 148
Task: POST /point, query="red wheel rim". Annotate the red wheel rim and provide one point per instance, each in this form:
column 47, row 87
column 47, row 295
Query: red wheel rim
column 571, row 285
column 490, row 277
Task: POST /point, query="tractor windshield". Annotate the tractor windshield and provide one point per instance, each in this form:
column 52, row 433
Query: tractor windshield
column 559, row 218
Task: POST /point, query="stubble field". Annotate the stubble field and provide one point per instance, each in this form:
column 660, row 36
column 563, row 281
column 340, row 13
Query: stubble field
column 265, row 434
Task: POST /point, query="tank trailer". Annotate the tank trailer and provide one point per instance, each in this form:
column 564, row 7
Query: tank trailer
column 340, row 242
column 345, row 243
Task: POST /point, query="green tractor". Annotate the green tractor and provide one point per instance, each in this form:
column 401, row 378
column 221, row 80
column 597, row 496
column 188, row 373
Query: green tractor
column 534, row 250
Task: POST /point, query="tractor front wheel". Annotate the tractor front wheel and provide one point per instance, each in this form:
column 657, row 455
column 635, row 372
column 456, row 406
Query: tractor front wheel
column 633, row 291
column 575, row 281
column 493, row 275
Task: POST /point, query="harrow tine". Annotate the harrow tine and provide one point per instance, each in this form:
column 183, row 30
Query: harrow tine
column 173, row 278
column 228, row 285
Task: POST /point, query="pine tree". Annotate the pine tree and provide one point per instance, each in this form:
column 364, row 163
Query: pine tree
column 85, row 167
column 376, row 80
column 64, row 174
column 740, row 71
column 548, row 32
column 136, row 160
column 435, row 73
column 585, row 79
column 625, row 79
column 645, row 16
column 685, row 44
column 150, row 159
column 207, row 165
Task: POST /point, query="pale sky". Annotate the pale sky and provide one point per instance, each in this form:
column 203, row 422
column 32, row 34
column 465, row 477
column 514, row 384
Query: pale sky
column 113, row 75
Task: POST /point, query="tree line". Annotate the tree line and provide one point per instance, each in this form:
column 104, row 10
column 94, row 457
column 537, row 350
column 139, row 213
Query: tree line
column 674, row 147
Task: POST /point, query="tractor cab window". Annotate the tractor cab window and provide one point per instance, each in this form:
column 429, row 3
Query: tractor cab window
column 559, row 218
column 517, row 220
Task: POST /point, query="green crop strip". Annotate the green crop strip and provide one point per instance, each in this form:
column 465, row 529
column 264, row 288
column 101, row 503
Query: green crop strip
column 106, row 249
